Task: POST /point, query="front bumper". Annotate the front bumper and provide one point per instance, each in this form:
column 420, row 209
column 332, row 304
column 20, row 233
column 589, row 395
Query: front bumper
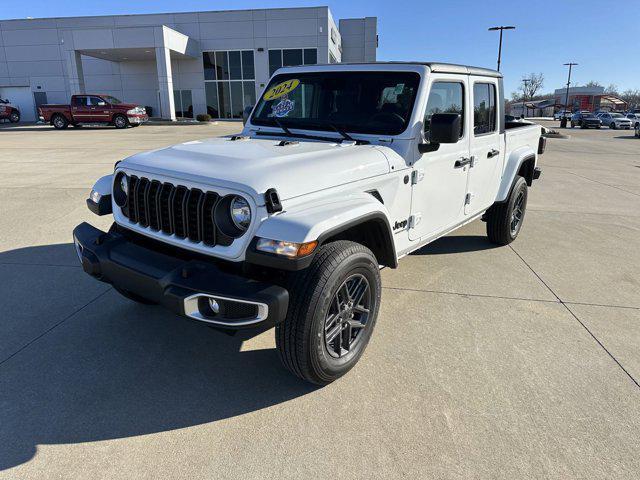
column 184, row 286
column 138, row 118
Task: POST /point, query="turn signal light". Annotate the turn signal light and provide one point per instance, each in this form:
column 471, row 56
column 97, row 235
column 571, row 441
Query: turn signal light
column 286, row 249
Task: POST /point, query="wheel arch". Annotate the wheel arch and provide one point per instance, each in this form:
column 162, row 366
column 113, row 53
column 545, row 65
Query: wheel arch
column 357, row 217
column 371, row 230
column 521, row 162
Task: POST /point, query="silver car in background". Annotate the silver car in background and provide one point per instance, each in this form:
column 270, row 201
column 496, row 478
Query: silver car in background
column 635, row 119
column 615, row 120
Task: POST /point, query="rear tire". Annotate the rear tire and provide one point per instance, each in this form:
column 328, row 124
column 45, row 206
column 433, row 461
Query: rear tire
column 59, row 122
column 120, row 121
column 504, row 220
column 333, row 308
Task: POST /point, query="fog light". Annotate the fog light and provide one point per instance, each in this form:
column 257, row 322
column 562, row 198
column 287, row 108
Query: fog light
column 214, row 305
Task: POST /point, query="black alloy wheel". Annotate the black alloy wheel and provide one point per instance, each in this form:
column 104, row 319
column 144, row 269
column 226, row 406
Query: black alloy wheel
column 347, row 316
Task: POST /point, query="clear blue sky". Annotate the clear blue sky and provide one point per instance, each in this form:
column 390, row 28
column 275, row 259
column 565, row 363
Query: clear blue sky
column 602, row 36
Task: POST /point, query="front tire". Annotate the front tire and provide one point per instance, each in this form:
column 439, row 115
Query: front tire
column 504, row 220
column 120, row 121
column 612, row 125
column 14, row 117
column 333, row 309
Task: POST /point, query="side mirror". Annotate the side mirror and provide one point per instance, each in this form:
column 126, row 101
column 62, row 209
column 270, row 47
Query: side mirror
column 444, row 128
column 245, row 114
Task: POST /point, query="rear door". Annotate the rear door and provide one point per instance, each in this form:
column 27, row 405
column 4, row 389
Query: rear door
column 80, row 109
column 486, row 166
column 440, row 178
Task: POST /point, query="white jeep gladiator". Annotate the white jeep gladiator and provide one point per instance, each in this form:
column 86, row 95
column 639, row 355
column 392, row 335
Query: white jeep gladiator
column 340, row 170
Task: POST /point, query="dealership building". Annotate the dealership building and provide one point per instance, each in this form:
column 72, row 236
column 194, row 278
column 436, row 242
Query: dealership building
column 178, row 64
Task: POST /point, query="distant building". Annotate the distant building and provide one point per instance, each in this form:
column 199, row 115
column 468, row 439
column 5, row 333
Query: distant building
column 590, row 99
column 179, row 64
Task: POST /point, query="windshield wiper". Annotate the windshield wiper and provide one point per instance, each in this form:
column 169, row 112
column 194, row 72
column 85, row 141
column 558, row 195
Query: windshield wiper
column 289, row 133
column 282, row 126
column 344, row 134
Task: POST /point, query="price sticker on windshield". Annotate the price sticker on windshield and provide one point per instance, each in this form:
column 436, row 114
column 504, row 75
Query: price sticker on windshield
column 281, row 89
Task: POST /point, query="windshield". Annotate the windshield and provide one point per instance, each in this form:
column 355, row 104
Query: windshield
column 616, row 115
column 357, row 102
column 111, row 100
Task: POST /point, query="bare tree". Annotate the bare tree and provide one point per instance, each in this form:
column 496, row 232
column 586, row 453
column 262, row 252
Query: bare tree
column 632, row 97
column 534, row 84
column 593, row 83
column 612, row 89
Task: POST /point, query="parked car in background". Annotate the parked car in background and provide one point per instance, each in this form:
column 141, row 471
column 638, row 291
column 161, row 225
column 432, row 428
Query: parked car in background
column 614, row 120
column 89, row 108
column 562, row 113
column 635, row 119
column 637, row 130
column 8, row 111
column 585, row 120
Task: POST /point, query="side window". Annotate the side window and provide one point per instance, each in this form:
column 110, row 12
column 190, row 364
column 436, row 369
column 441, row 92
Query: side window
column 79, row 101
column 484, row 108
column 444, row 97
column 96, row 101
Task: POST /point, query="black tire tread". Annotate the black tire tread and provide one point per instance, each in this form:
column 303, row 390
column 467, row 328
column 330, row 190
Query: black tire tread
column 306, row 286
column 498, row 218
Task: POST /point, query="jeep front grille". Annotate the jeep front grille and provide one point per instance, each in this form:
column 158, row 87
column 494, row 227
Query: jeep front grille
column 174, row 210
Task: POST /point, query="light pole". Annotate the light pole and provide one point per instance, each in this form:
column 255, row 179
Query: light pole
column 524, row 93
column 501, row 28
column 566, row 98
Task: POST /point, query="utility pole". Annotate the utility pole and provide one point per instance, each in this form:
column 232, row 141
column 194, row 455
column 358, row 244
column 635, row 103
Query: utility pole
column 524, row 93
column 501, row 28
column 566, row 98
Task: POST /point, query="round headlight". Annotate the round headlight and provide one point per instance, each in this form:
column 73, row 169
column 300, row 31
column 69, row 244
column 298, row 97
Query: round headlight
column 121, row 189
column 240, row 213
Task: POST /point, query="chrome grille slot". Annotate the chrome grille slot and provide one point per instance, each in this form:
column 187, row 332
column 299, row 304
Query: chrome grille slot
column 187, row 213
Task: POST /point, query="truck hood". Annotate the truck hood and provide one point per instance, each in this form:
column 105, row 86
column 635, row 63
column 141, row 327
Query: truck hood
column 255, row 165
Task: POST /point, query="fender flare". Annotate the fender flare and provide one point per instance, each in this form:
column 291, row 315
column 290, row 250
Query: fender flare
column 321, row 221
column 513, row 164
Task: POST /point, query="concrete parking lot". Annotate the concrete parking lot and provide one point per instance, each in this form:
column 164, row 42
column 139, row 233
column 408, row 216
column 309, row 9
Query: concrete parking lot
column 501, row 363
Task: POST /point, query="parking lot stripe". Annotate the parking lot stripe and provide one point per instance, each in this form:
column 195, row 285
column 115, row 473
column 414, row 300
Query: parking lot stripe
column 576, row 318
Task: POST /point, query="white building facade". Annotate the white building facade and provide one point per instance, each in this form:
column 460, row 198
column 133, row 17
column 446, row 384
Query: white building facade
column 178, row 64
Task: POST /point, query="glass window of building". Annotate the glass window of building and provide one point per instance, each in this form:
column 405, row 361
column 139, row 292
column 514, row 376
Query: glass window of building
column 229, row 82
column 291, row 57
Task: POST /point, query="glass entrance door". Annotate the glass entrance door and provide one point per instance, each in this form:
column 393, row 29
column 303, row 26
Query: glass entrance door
column 183, row 103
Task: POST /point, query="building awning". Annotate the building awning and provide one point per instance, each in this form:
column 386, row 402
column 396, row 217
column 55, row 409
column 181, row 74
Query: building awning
column 612, row 99
column 542, row 104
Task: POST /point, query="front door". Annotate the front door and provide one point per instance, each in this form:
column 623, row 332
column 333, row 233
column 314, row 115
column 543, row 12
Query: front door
column 99, row 109
column 485, row 172
column 440, row 178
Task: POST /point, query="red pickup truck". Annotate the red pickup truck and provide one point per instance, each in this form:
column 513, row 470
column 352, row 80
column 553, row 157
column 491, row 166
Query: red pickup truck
column 9, row 111
column 91, row 108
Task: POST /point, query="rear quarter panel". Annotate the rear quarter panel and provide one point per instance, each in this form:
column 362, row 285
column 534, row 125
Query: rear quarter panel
column 520, row 144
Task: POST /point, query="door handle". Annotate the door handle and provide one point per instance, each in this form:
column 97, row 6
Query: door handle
column 492, row 153
column 462, row 162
